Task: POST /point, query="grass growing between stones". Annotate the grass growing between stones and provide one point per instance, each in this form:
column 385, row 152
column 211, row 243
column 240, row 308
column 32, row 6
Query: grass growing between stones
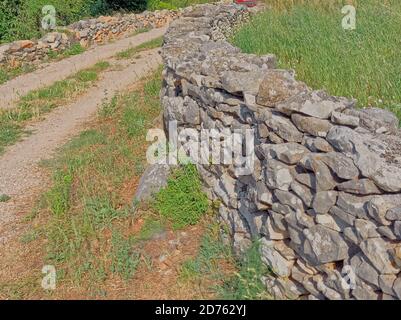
column 182, row 201
column 73, row 50
column 132, row 52
column 216, row 269
column 39, row 102
column 247, row 283
column 308, row 36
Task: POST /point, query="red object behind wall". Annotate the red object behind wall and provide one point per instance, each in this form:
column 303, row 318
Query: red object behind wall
column 248, row 3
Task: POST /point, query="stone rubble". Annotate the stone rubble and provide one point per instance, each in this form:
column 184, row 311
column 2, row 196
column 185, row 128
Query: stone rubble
column 324, row 196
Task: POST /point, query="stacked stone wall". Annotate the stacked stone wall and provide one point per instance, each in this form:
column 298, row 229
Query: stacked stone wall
column 323, row 196
column 86, row 32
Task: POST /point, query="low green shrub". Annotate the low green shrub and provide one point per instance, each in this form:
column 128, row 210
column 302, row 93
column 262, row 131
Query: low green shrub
column 182, row 201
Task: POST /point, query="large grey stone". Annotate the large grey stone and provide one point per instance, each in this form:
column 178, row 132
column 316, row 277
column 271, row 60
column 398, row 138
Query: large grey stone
column 281, row 208
column 303, row 192
column 289, row 153
column 386, row 232
column 278, row 221
column 352, row 144
column 272, row 258
column 376, row 251
column 306, row 179
column 355, row 205
column 324, row 180
column 388, row 178
column 369, row 155
column 344, row 119
column 272, row 232
column 289, row 199
column 284, row 128
column 323, row 201
column 341, row 165
column 397, row 229
column 317, row 144
column 342, row 215
column 153, row 179
column 316, row 104
column 393, row 214
column 386, row 282
column 238, row 82
column 362, row 187
column 264, row 195
column 277, row 86
column 323, row 245
column 313, row 126
column 328, row 221
column 363, row 291
column 376, row 120
column 379, row 205
column 365, row 229
column 278, row 175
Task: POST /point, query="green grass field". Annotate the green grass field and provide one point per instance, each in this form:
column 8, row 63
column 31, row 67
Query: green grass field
column 364, row 63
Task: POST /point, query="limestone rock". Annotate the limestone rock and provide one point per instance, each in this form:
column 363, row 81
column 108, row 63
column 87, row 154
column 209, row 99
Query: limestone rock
column 354, row 205
column 386, row 232
column 375, row 250
column 316, row 104
column 323, row 179
column 272, row 232
column 376, row 120
column 386, row 282
column 317, row 144
column 327, row 221
column 272, row 258
column 290, row 153
column 238, row 82
column 365, row 229
column 378, row 207
column 152, row 180
column 323, row 201
column 303, row 192
column 397, row 229
column 341, row 165
column 278, row 175
column 344, row 119
column 362, row 187
column 323, row 245
column 313, row 126
column 277, row 86
column 393, row 214
column 397, row 287
column 289, row 199
column 284, row 128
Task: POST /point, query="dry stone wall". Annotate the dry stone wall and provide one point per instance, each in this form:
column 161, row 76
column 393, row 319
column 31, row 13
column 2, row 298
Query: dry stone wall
column 85, row 32
column 323, row 197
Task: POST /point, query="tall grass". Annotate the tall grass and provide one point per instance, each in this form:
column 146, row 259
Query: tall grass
column 307, row 36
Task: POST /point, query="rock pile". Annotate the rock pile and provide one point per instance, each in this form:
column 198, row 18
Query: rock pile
column 85, row 32
column 324, row 195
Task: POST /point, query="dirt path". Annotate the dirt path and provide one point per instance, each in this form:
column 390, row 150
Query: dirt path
column 13, row 89
column 21, row 176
